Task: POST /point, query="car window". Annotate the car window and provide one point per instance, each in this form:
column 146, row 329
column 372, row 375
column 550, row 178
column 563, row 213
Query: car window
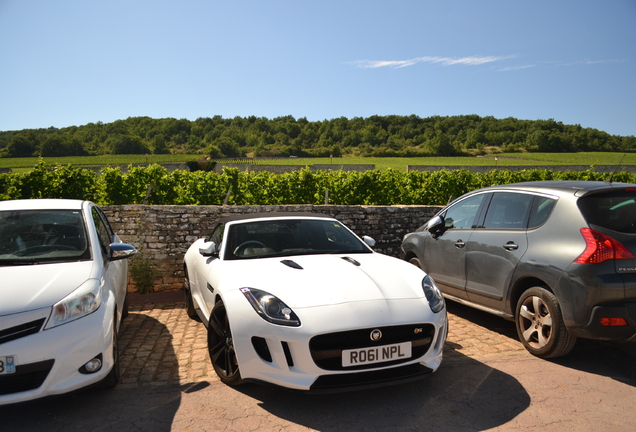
column 40, row 236
column 463, row 214
column 290, row 237
column 507, row 210
column 104, row 231
column 615, row 211
column 217, row 235
column 541, row 209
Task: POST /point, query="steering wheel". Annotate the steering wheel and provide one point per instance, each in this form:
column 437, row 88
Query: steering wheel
column 241, row 248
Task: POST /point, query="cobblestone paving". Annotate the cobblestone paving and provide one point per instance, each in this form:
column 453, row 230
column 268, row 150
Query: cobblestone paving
column 160, row 344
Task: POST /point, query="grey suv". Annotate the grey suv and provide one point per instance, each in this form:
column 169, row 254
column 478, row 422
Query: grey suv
column 557, row 257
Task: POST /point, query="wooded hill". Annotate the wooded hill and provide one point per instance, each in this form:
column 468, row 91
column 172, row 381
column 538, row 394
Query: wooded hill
column 375, row 136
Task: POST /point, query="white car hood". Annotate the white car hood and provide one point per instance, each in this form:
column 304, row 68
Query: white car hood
column 328, row 279
column 30, row 287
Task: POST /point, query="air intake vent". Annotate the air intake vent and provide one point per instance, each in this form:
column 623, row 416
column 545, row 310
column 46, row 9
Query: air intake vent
column 351, row 260
column 292, row 264
column 20, row 331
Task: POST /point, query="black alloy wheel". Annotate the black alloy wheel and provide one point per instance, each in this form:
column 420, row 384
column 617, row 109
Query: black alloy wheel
column 221, row 346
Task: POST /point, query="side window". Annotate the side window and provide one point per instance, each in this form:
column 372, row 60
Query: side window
column 217, row 235
column 541, row 209
column 508, row 210
column 104, row 231
column 463, row 214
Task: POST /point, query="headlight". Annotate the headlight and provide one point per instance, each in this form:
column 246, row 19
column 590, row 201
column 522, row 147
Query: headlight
column 270, row 307
column 433, row 294
column 81, row 302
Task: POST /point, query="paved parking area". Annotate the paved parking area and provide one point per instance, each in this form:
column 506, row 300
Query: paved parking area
column 487, row 381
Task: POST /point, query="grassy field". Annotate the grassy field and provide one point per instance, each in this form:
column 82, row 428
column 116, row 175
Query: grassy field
column 502, row 160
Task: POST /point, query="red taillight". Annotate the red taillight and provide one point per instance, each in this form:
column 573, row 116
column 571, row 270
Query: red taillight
column 614, row 322
column 599, row 248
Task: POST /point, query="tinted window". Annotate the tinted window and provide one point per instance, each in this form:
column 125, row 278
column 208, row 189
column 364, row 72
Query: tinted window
column 507, row 210
column 217, row 235
column 615, row 211
column 290, row 237
column 39, row 236
column 462, row 215
column 541, row 209
column 103, row 231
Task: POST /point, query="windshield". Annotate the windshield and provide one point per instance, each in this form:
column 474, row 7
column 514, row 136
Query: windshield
column 41, row 236
column 279, row 238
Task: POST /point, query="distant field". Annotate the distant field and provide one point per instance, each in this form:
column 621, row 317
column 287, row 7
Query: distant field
column 504, row 159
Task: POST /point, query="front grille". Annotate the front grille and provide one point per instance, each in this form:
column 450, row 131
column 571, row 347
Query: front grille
column 326, row 349
column 26, row 377
column 21, row 330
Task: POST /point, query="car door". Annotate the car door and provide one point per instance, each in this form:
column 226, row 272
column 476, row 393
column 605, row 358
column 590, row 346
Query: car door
column 495, row 248
column 114, row 273
column 203, row 292
column 445, row 250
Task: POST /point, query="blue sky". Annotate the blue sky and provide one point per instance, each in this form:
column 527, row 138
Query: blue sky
column 72, row 62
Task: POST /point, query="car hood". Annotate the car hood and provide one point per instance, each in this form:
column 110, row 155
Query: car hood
column 328, row 279
column 32, row 287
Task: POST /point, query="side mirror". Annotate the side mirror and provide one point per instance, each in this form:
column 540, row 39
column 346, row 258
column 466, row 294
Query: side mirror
column 208, row 249
column 435, row 225
column 368, row 240
column 121, row 251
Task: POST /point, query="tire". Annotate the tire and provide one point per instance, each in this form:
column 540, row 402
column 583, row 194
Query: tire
column 189, row 302
column 540, row 324
column 112, row 379
column 416, row 262
column 125, row 308
column 221, row 346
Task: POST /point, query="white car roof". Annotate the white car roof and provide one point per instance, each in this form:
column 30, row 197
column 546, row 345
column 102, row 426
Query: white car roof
column 41, row 204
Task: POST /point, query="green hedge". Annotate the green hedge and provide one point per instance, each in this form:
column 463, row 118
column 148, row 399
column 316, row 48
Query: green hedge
column 155, row 185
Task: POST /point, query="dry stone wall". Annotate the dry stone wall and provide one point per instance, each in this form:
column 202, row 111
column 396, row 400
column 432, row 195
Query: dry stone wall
column 163, row 233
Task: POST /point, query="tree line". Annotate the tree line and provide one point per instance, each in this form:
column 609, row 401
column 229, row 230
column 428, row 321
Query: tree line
column 375, row 136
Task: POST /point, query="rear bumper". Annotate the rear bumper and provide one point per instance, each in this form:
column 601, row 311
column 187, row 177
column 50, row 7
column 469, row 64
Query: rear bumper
column 595, row 330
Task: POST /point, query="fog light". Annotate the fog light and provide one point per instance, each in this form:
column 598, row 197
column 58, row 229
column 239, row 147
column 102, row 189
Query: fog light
column 614, row 322
column 92, row 366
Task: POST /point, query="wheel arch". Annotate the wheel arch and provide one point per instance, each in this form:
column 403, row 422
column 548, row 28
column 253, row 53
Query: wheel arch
column 520, row 287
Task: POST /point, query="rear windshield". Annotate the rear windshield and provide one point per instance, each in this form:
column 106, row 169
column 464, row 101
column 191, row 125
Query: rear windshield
column 615, row 211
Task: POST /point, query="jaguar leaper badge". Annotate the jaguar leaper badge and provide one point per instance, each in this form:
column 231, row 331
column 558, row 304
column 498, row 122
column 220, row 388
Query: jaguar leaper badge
column 376, row 335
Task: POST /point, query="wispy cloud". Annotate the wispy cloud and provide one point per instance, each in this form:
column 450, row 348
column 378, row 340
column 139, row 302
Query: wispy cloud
column 444, row 61
column 590, row 62
column 514, row 68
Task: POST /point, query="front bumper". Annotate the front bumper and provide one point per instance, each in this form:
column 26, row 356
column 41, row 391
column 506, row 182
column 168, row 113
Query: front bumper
column 54, row 357
column 288, row 360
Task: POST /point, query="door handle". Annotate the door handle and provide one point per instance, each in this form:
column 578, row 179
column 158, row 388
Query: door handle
column 460, row 244
column 511, row 246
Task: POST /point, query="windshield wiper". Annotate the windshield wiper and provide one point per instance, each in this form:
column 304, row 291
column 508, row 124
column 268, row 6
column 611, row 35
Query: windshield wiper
column 9, row 263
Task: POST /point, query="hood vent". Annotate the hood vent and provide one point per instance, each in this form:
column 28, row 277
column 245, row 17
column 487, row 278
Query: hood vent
column 292, row 264
column 351, row 260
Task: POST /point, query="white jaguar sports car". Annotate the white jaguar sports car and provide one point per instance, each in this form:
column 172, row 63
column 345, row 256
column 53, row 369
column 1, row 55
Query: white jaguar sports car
column 298, row 300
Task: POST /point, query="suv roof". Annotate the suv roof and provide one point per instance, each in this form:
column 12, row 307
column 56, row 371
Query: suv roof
column 579, row 187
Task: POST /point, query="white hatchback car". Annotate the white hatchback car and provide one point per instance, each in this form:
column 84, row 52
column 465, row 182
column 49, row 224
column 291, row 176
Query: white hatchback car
column 62, row 297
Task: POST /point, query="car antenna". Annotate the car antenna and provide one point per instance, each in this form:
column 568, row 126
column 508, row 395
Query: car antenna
column 614, row 172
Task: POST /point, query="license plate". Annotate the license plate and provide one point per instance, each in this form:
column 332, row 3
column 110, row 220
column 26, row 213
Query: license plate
column 364, row 356
column 7, row 365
